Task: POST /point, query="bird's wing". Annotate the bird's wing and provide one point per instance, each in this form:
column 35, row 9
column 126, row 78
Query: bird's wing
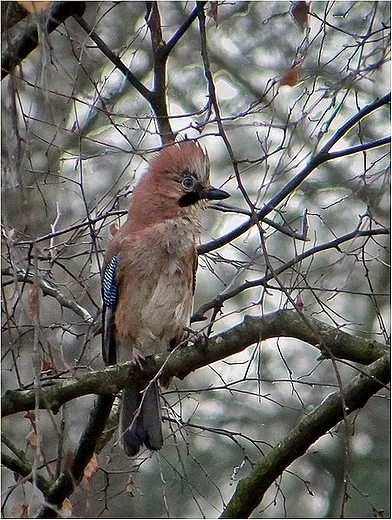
column 109, row 297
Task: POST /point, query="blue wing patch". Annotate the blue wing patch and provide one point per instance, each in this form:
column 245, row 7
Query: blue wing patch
column 109, row 286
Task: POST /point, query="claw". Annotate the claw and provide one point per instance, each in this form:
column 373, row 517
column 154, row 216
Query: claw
column 198, row 338
column 138, row 358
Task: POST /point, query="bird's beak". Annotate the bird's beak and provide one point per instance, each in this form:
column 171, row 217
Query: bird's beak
column 212, row 193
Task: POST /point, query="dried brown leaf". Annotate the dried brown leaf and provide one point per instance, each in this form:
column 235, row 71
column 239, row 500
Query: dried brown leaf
column 290, row 77
column 90, row 470
column 47, row 366
column 32, row 303
column 30, row 414
column 31, row 439
column 34, row 7
column 20, row 510
column 66, row 509
column 67, row 460
column 212, row 12
column 300, row 13
column 114, row 228
column 130, row 488
column 299, row 303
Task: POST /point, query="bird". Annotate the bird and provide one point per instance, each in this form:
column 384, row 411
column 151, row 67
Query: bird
column 148, row 278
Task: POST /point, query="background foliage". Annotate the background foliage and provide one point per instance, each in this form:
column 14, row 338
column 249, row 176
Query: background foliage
column 264, row 86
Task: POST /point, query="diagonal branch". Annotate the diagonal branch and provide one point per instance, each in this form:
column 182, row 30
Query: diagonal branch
column 217, row 302
column 354, row 120
column 251, row 489
column 321, row 157
column 113, row 58
column 23, row 37
column 23, row 275
column 157, row 97
column 182, row 29
column 66, row 482
column 360, row 147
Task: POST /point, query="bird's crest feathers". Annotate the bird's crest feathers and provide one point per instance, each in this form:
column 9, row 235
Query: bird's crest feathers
column 182, row 157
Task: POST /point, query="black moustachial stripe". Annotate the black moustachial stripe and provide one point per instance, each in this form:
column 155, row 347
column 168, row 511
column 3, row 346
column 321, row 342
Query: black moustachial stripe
column 189, row 198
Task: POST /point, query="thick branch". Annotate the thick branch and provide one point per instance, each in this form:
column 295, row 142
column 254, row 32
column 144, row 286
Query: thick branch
column 55, row 493
column 65, row 483
column 250, row 490
column 23, row 37
column 159, row 95
column 180, row 362
column 24, row 469
column 161, row 51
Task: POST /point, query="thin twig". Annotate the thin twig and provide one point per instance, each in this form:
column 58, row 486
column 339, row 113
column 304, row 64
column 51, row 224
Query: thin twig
column 48, row 289
column 217, row 302
column 113, row 58
column 321, row 157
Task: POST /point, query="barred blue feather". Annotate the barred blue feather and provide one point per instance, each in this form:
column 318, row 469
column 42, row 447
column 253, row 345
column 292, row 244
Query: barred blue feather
column 109, row 286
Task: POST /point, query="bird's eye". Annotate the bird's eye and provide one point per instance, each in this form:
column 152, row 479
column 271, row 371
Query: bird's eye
column 188, row 183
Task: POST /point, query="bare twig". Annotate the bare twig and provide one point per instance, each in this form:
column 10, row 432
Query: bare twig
column 321, row 157
column 157, row 96
column 217, row 302
column 49, row 290
column 113, row 58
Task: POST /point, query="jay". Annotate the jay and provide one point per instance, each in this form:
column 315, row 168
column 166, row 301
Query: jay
column 148, row 278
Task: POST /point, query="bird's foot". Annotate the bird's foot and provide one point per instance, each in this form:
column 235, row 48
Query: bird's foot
column 138, row 358
column 197, row 337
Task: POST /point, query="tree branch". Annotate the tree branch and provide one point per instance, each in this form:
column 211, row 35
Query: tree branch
column 113, row 58
column 182, row 30
column 321, row 157
column 360, row 148
column 157, row 97
column 23, row 37
column 66, row 482
column 354, row 120
column 251, row 489
column 217, row 302
column 183, row 361
column 180, row 362
column 22, row 275
column 159, row 92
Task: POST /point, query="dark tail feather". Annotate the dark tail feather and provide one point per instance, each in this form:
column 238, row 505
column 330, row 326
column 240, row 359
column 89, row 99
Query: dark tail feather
column 147, row 427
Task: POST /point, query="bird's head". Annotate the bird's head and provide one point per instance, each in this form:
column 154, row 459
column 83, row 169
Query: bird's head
column 176, row 182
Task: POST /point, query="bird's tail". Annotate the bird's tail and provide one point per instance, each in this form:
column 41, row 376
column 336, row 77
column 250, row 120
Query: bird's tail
column 147, row 425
